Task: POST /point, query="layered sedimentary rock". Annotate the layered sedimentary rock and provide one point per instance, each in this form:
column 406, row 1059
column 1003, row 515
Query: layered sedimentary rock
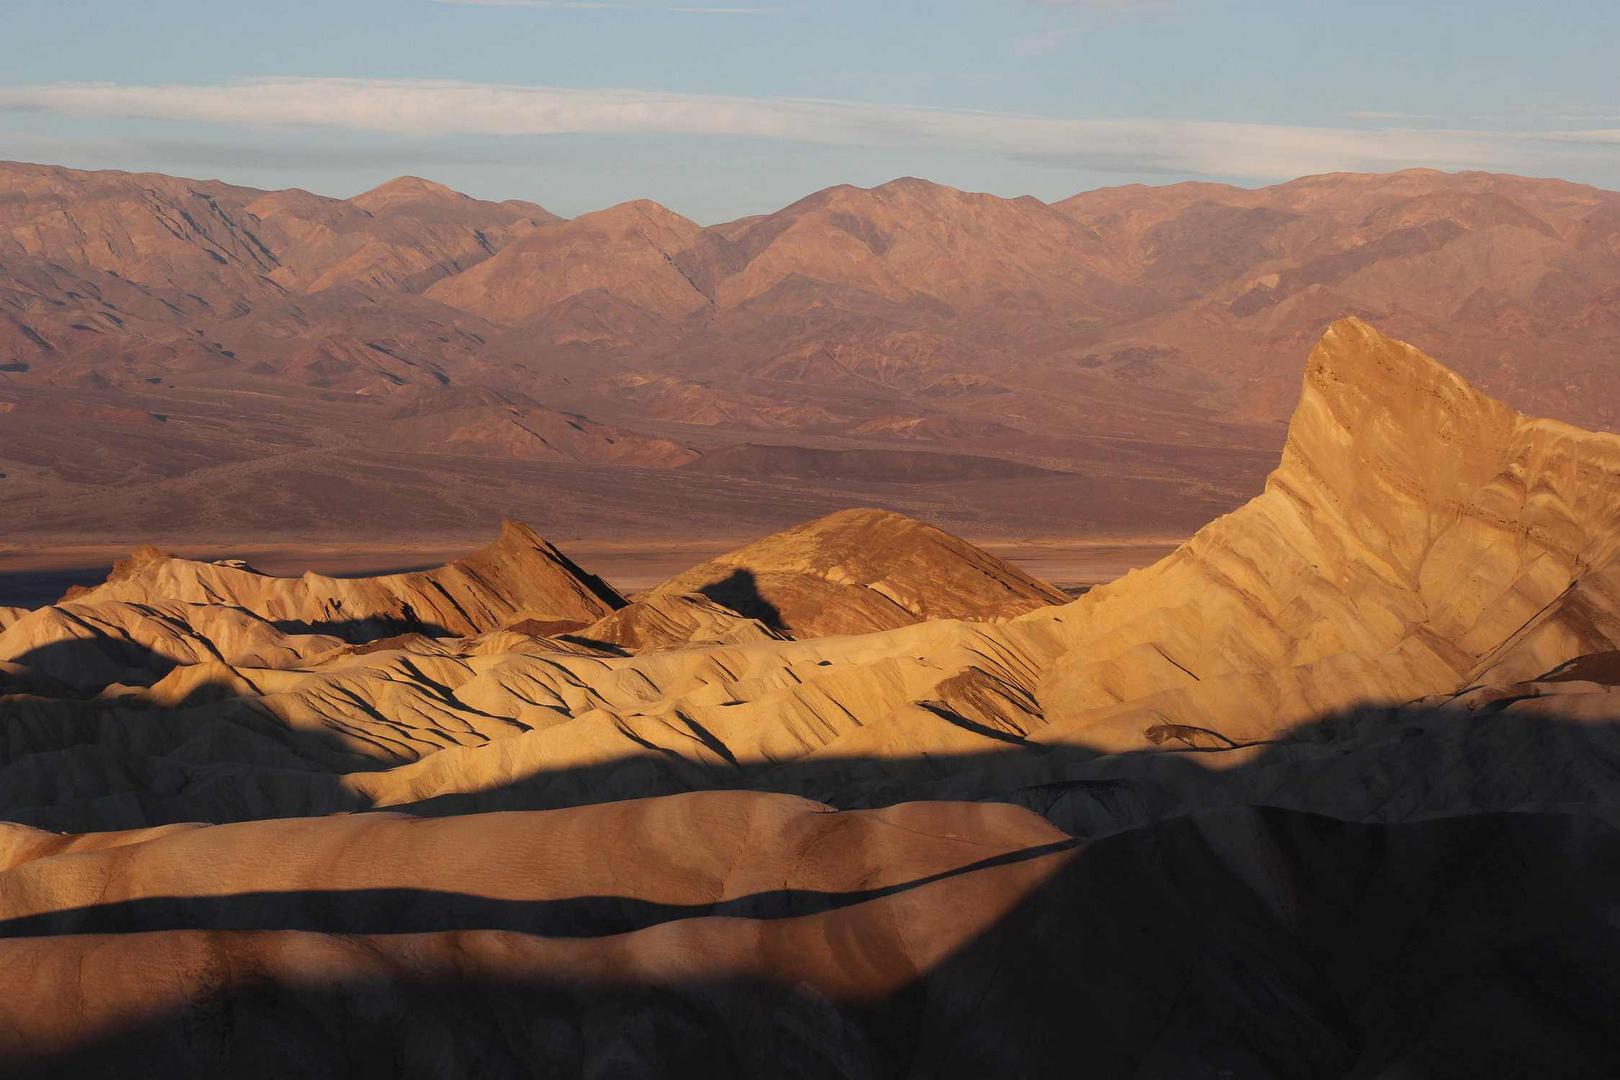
column 1416, row 537
column 665, row 619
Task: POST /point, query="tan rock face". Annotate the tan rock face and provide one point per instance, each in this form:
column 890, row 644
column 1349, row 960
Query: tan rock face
column 1415, row 530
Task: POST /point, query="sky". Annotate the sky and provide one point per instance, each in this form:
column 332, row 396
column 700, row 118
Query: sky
column 721, row 109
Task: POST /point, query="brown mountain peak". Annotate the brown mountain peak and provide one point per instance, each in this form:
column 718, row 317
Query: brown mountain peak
column 636, row 211
column 405, row 189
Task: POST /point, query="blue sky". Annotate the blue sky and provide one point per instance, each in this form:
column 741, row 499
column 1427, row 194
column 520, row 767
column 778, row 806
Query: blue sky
column 720, row 109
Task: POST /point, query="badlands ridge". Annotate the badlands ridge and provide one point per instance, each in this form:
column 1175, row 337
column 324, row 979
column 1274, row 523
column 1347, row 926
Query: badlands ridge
column 1328, row 791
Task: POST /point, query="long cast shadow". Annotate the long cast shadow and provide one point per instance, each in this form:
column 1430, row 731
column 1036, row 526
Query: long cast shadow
column 421, row 911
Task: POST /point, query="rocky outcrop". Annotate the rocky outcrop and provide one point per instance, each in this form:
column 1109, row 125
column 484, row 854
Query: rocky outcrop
column 1417, row 536
column 520, row 576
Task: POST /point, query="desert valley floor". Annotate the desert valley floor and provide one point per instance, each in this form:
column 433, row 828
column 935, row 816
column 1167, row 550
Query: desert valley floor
column 1329, row 789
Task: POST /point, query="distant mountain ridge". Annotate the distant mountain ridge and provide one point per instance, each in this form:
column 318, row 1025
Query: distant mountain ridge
column 1097, row 337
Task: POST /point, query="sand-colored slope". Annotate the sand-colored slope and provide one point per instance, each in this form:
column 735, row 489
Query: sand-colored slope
column 688, row 851
column 858, row 571
column 518, row 577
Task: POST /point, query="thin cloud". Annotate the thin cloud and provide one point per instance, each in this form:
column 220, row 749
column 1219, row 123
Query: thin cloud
column 433, row 108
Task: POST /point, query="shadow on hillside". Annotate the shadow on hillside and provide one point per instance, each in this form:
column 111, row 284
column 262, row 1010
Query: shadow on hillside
column 235, row 760
column 85, row 666
column 377, row 630
column 1383, row 892
column 739, row 591
column 117, row 755
column 1243, row 943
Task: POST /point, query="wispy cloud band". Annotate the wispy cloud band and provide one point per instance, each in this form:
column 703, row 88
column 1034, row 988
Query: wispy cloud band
column 433, row 108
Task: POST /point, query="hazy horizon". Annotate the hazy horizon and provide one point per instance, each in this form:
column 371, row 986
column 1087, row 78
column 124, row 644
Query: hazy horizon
column 723, row 110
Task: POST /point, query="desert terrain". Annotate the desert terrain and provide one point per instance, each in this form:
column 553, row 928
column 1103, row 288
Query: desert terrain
column 1327, row 789
column 221, row 369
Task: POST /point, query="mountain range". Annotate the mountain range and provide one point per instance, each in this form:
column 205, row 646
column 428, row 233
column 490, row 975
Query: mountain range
column 185, row 360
